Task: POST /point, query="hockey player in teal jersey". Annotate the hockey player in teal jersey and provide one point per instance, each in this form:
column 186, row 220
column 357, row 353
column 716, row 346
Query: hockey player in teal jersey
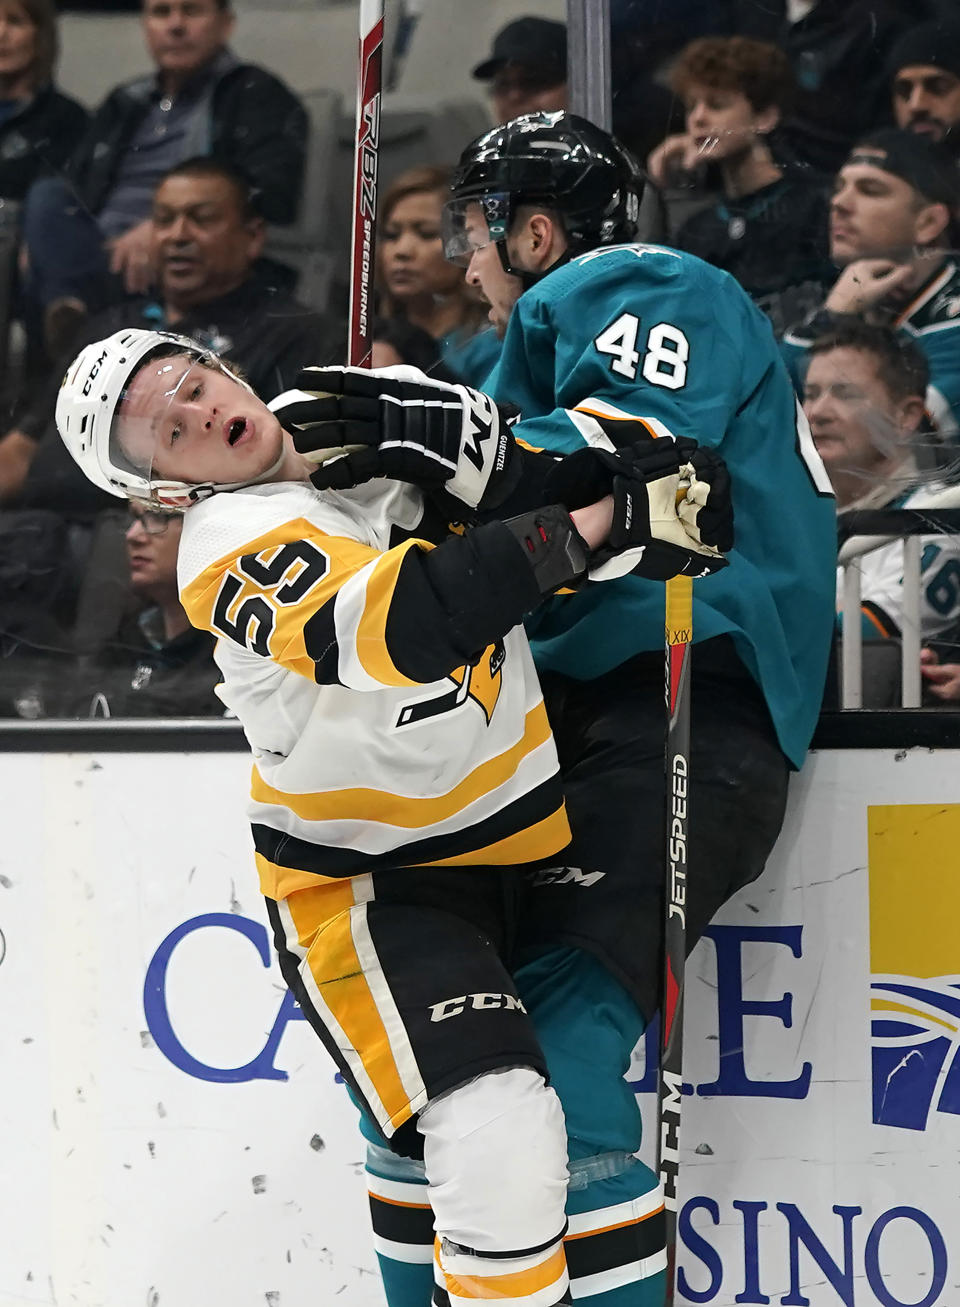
column 609, row 340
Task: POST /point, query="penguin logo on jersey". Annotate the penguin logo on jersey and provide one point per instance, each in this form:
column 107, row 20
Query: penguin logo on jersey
column 479, row 684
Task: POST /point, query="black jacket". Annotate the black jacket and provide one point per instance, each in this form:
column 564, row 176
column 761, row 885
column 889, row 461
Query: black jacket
column 128, row 677
column 267, row 334
column 38, row 139
column 838, row 55
column 136, row 676
column 774, row 242
column 256, row 124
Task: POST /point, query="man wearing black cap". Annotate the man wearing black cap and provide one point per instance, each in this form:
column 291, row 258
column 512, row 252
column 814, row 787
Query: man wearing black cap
column 893, row 225
column 527, row 68
column 925, row 72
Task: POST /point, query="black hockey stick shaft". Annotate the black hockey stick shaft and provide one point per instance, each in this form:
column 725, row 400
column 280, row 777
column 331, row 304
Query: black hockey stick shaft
column 678, row 637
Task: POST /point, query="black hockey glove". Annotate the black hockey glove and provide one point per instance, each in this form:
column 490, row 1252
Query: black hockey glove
column 672, row 512
column 397, row 422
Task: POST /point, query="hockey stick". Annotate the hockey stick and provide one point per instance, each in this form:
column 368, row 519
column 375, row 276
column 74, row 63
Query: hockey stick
column 678, row 636
column 365, row 165
column 366, row 160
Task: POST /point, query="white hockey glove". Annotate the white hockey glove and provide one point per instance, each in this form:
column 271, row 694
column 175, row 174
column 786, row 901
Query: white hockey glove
column 397, row 422
column 672, row 513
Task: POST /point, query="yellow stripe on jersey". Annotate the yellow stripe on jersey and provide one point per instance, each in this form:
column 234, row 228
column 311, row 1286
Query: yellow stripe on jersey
column 371, row 636
column 541, row 840
column 264, row 594
column 277, row 882
column 405, row 810
column 517, row 1285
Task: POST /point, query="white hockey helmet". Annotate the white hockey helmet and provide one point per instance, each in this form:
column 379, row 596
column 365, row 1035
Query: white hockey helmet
column 90, row 396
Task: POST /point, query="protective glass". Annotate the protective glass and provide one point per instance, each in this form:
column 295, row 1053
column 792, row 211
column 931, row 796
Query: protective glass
column 172, row 398
column 471, row 223
column 146, row 417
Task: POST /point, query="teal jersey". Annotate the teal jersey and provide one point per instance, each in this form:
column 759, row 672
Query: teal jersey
column 471, row 357
column 661, row 336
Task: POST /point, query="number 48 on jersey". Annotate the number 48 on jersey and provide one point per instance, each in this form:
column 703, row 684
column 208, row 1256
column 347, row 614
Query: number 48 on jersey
column 665, row 352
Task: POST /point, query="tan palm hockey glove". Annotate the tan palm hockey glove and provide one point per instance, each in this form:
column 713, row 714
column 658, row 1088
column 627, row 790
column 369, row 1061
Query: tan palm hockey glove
column 672, row 515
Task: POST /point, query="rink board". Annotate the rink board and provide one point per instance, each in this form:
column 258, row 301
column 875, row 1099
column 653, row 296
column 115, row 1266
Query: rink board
column 173, row 1136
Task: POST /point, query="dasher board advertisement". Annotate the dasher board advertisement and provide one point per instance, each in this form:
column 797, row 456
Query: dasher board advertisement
column 173, row 1134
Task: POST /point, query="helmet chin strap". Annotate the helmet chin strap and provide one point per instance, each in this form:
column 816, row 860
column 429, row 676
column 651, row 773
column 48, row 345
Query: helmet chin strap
column 528, row 279
column 181, row 494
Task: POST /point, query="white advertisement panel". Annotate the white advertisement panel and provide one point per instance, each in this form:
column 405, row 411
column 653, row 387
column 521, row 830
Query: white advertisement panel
column 173, row 1135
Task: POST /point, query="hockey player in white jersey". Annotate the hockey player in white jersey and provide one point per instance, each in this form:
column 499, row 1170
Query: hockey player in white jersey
column 404, row 768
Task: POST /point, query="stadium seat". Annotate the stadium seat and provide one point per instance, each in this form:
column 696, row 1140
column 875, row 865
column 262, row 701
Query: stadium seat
column 305, row 246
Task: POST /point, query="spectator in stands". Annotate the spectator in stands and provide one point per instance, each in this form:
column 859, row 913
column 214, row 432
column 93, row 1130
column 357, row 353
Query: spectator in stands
column 924, row 67
column 892, row 228
column 527, row 68
column 37, row 602
column 864, row 400
column 156, row 664
column 39, row 127
column 942, row 679
column 130, row 652
column 526, row 72
column 205, row 238
column 769, row 228
column 89, row 235
column 837, row 50
column 419, row 285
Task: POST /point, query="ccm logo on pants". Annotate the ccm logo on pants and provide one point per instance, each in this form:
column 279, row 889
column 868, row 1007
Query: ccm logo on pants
column 452, row 1007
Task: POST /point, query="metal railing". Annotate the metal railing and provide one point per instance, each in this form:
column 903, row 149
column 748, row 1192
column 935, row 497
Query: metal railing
column 872, row 529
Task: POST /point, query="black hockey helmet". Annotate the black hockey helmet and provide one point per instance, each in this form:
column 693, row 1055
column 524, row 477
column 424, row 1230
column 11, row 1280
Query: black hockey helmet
column 557, row 159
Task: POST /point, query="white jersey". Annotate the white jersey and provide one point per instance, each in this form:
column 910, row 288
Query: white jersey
column 356, row 766
column 881, row 580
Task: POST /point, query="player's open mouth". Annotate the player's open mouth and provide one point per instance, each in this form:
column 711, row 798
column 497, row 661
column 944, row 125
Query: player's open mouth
column 237, row 430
